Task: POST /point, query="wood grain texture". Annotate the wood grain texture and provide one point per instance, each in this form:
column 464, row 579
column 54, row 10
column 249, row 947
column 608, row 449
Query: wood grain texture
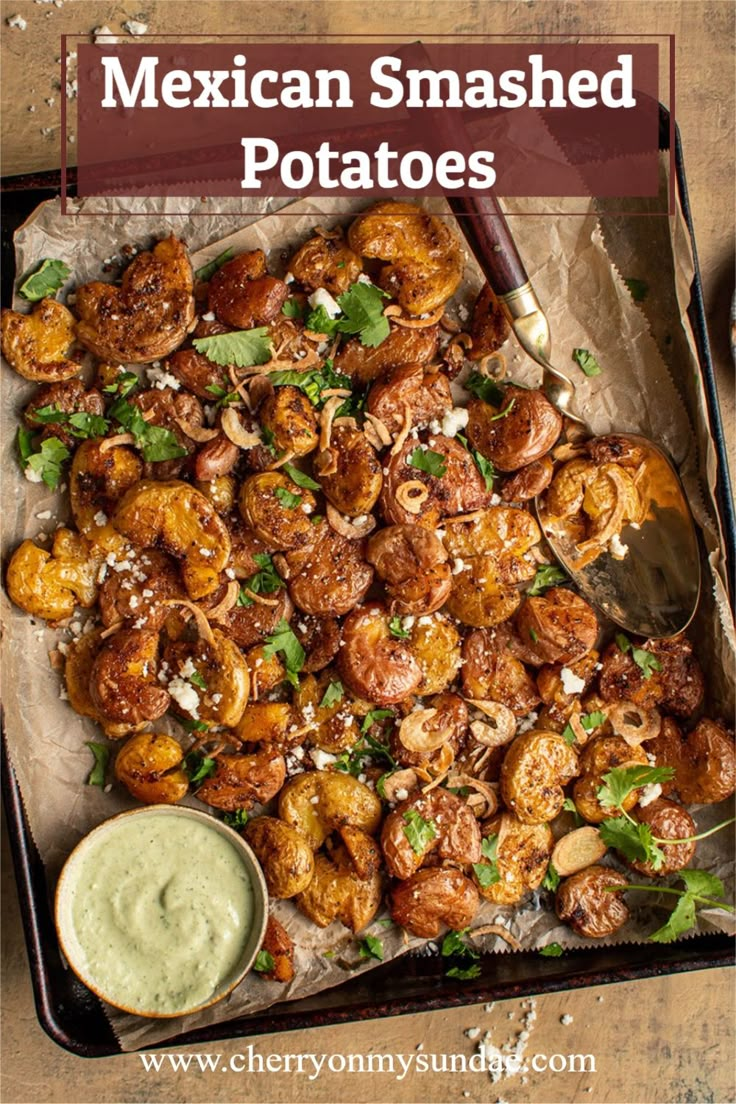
column 668, row 1039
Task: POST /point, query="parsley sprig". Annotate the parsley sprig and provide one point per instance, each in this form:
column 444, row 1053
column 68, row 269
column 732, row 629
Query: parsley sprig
column 418, row 831
column 367, row 748
column 102, row 756
column 155, row 442
column 484, row 466
column 47, row 279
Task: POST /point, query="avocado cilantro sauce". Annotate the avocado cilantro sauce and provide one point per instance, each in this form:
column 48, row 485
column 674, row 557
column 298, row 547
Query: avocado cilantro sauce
column 157, row 912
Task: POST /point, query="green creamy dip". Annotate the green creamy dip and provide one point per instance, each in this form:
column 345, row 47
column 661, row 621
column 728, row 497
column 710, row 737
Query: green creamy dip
column 161, row 909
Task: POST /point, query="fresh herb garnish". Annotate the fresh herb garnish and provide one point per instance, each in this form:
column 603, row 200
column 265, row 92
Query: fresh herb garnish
column 637, row 288
column 464, row 973
column 484, row 466
column 301, row 478
column 551, row 880
column 243, row 348
column 375, row 715
column 122, row 385
column 264, row 962
column 204, row 274
column 569, row 806
column 362, row 309
column 643, row 659
column 197, row 680
column 632, row 838
column 99, row 770
column 318, row 321
column 428, row 461
column 155, row 442
column 265, row 581
column 198, row 767
column 585, row 360
column 190, row 725
column 552, row 950
column 418, row 831
column 701, row 889
column 620, row 782
column 47, row 461
column 503, row 413
column 287, row 498
column 332, row 695
column 484, row 388
column 395, row 628
column 237, row 819
column 353, row 761
column 488, row 873
column 46, row 280
column 454, row 946
column 224, row 397
column 292, row 308
column 548, row 575
column 533, row 636
column 283, row 640
column 313, row 382
column 371, row 947
column 588, row 721
column 79, row 424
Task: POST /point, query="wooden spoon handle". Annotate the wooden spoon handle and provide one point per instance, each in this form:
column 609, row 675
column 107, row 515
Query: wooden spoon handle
column 485, row 228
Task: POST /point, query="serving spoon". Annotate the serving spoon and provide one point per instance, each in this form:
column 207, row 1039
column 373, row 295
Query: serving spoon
column 653, row 589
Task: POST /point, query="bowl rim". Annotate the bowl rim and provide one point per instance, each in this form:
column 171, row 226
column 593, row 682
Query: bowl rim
column 255, row 874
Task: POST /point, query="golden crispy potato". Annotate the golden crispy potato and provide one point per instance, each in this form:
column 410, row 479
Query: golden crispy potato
column 536, row 767
column 170, row 410
column 567, row 489
column 489, row 326
column 123, row 684
column 149, row 766
column 137, row 591
column 216, row 672
column 148, row 316
column 529, row 481
column 460, row 489
column 51, row 584
column 339, row 890
column 80, row 656
column 220, row 490
column 587, row 905
column 331, row 727
column 97, row 481
column 523, row 852
column 177, row 518
column 243, row 295
column 267, row 507
column 342, row 802
column 677, row 686
column 284, row 854
column 325, row 263
column 500, row 531
column 198, row 373
column 432, row 899
column 552, row 690
column 435, row 644
column 598, row 757
column 70, row 397
column 426, row 260
column 349, row 472
column 279, row 944
column 320, row 639
column 267, row 723
column 456, row 833
column 492, row 672
column 248, row 625
column 519, row 437
column 242, row 781
column 331, row 577
column 446, row 716
column 704, row 761
column 559, row 627
column 363, row 363
column 413, row 564
column 667, row 820
column 37, row 345
column 266, row 672
column 290, row 417
column 372, row 662
column 481, row 596
column 426, row 394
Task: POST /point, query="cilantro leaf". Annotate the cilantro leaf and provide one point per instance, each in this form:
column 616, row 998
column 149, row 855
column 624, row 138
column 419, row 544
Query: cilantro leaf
column 287, row 498
column 155, row 442
column 123, row 384
column 301, row 478
column 197, row 680
column 485, row 467
column 374, row 716
column 224, row 397
column 551, row 881
column 198, row 767
column 588, row 721
column 25, row 443
column 488, row 873
column 395, row 628
column 283, row 640
column 292, row 308
column 552, row 950
column 191, row 725
column 264, row 962
column 333, row 694
column 353, row 760
column 362, row 308
column 312, row 382
column 621, row 781
column 371, row 947
column 319, row 321
column 428, row 461
column 243, row 348
column 585, row 360
column 418, row 831
column 484, row 388
column 503, row 413
column 548, row 575
column 47, row 461
column 637, row 288
column 99, row 770
column 46, row 280
column 701, row 883
column 237, row 819
column 641, row 657
column 680, row 920
column 633, row 839
column 570, row 806
column 265, row 581
column 464, row 973
column 454, row 944
column 204, row 274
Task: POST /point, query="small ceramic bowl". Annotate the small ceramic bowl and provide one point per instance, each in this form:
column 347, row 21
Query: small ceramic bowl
column 140, row 903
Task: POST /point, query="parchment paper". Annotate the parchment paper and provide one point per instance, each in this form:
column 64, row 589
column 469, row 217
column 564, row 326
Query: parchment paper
column 588, row 306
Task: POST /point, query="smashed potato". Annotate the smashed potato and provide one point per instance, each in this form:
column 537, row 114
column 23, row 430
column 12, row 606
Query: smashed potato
column 285, row 856
column 242, row 781
column 586, row 903
column 345, row 886
column 123, row 684
column 149, row 766
column 426, row 261
column 148, row 316
column 364, row 363
column 289, row 416
column 330, row 577
column 243, row 295
column 349, row 472
column 435, row 644
column 341, row 802
column 667, row 820
column 373, row 663
column 98, row 479
column 37, row 345
column 331, row 727
column 489, row 326
column 278, row 943
column 492, row 672
column 598, row 757
column 536, row 767
column 454, row 835
column 523, row 852
column 51, row 585
column 522, row 430
column 69, row 397
column 412, row 495
column 325, row 262
column 559, row 627
column 413, row 564
column 426, row 394
column 274, row 508
column 704, row 761
column 139, row 590
column 673, row 679
column 217, row 673
column 434, row 898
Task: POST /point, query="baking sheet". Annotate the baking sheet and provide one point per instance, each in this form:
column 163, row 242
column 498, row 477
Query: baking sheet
column 588, row 306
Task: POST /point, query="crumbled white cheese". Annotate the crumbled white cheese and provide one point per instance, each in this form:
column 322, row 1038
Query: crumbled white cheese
column 322, row 759
column 401, row 794
column 473, row 1032
column 322, row 298
column 161, row 379
column 184, row 695
column 44, row 515
column 458, row 565
column 103, row 36
column 617, row 548
column 571, row 683
column 407, row 623
column 363, row 279
column 135, row 27
column 209, row 316
column 17, row 21
column 187, row 668
column 526, row 724
column 454, row 420
column 566, row 1019
column 495, row 500
column 100, row 519
column 650, row 793
column 71, row 89
column 32, row 475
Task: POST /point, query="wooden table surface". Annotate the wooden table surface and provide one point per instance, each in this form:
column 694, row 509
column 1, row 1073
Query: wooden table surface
column 665, row 1040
